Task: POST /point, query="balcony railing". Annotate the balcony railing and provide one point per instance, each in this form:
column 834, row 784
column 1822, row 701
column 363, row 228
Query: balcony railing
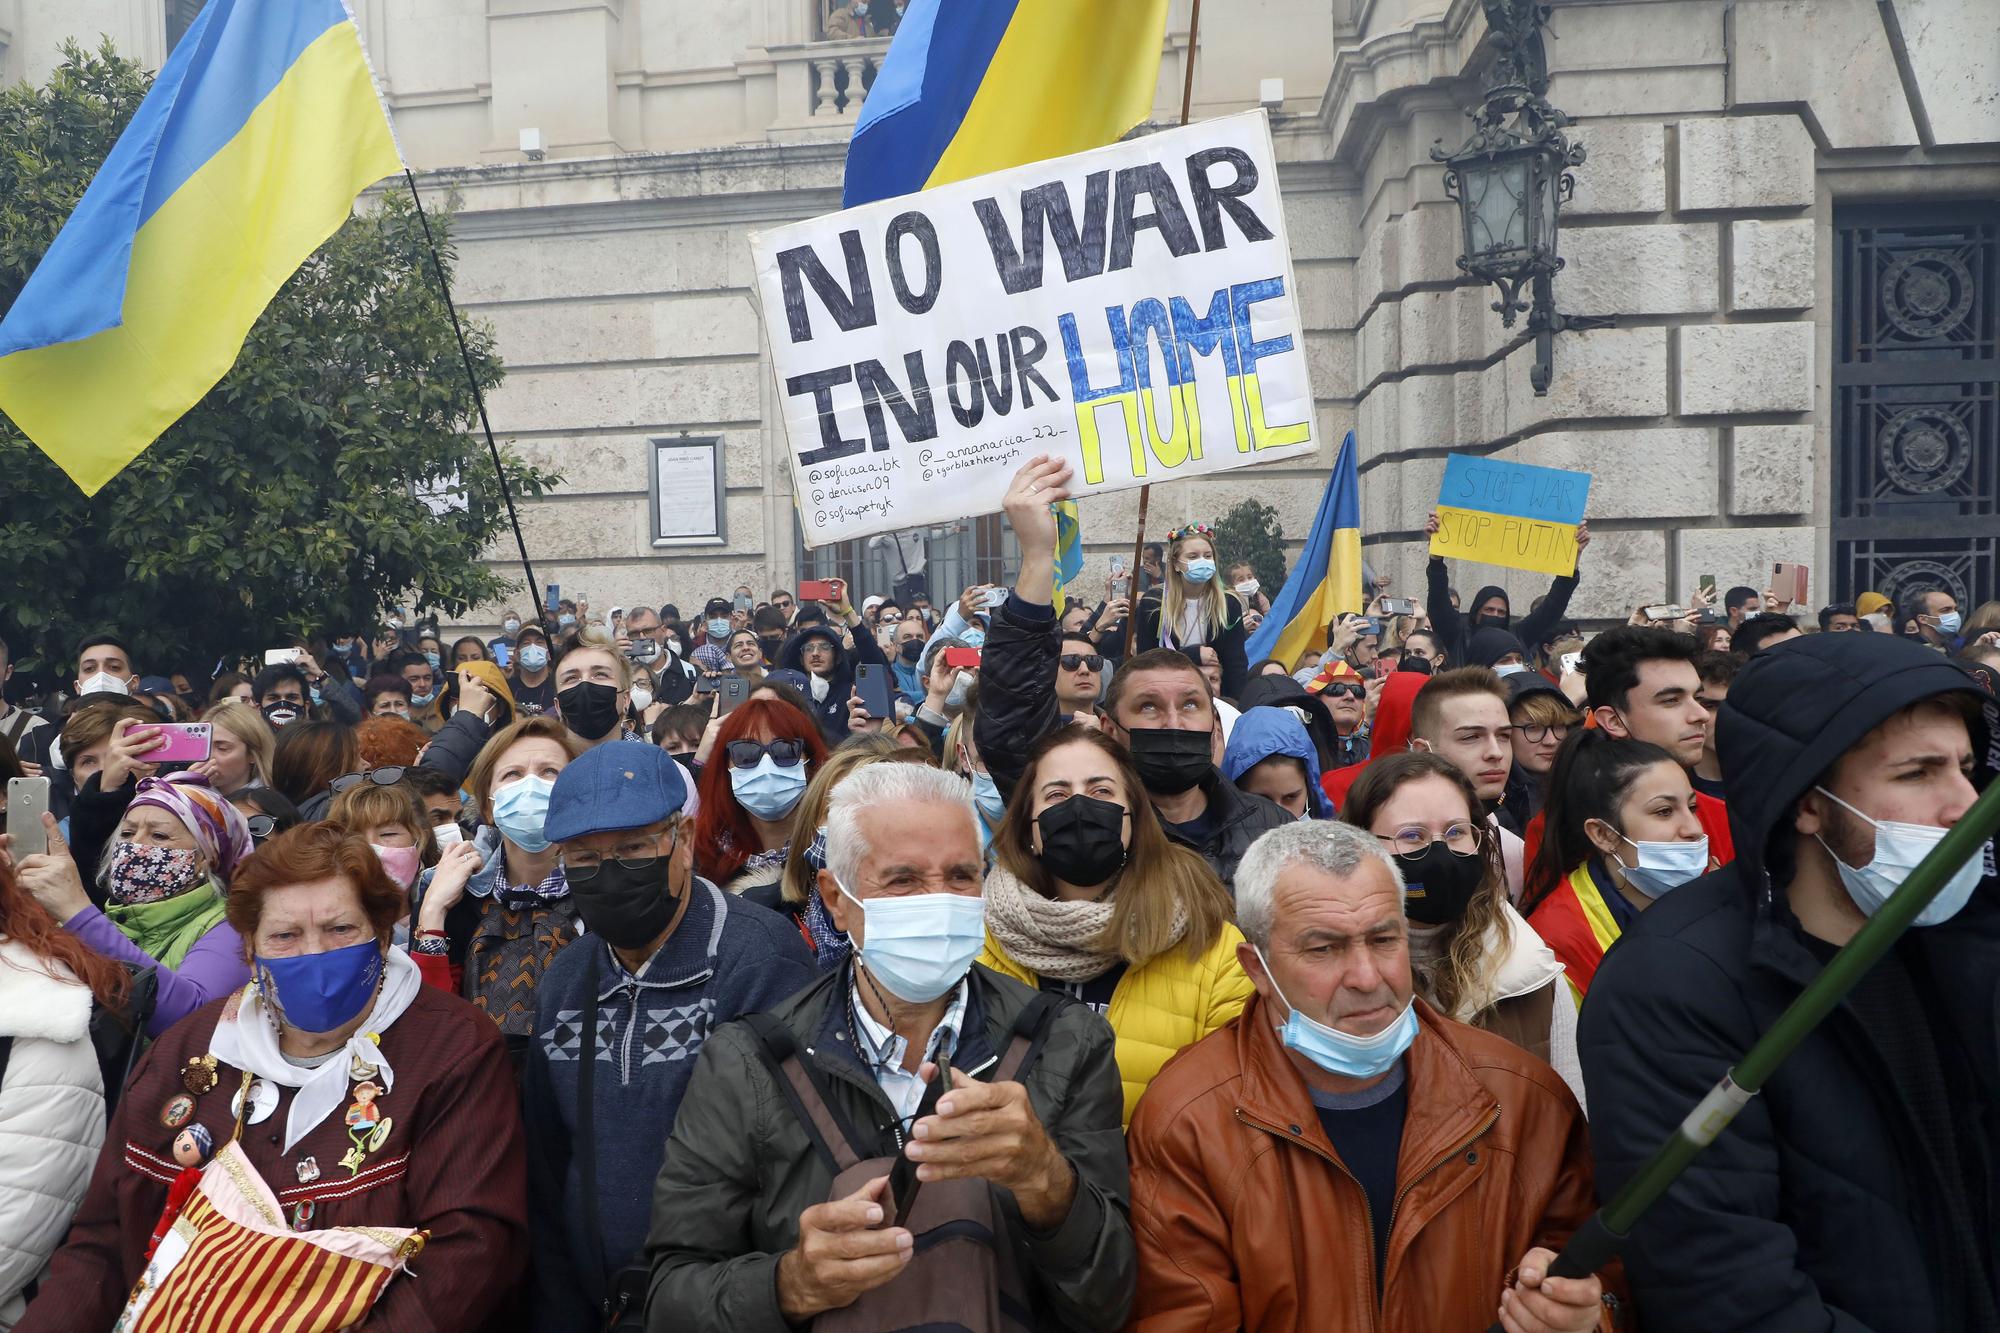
column 842, row 74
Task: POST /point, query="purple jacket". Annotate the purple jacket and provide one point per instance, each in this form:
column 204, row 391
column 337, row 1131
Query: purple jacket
column 214, row 967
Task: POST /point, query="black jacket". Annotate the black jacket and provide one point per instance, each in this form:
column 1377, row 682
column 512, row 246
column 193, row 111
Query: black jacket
column 1017, row 707
column 831, row 712
column 740, row 1168
column 1453, row 628
column 1228, row 643
column 1816, row 1209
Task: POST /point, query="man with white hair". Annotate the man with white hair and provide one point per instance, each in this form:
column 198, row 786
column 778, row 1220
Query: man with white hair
column 1341, row 1155
column 749, row 1233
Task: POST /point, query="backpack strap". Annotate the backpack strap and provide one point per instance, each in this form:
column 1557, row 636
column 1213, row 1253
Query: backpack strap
column 801, row 1086
column 1031, row 1033
column 6, row 1052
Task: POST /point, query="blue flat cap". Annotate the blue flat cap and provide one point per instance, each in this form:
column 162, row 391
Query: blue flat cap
column 617, row 785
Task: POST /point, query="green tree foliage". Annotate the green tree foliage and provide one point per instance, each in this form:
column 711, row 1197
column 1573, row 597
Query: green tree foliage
column 288, row 500
column 1250, row 531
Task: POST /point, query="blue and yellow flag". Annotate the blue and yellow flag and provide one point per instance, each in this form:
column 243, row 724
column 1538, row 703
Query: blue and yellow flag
column 972, row 86
column 1069, row 548
column 1325, row 582
column 246, row 155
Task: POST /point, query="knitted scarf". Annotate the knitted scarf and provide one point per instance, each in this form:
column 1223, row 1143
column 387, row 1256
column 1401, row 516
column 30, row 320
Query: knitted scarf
column 166, row 929
column 1050, row 937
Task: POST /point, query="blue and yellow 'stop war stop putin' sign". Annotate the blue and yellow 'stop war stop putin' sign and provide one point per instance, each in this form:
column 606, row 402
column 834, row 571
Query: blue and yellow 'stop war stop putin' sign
column 1511, row 514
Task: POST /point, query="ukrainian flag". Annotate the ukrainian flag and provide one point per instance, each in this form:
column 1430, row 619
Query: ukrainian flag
column 1325, row 583
column 246, row 155
column 972, row 86
column 1069, row 548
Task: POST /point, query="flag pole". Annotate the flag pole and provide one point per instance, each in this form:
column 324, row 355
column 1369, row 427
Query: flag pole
column 1146, row 491
column 465, row 355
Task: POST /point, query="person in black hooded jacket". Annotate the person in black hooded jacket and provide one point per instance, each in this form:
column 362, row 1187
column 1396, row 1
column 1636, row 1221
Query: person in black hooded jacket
column 1453, row 629
column 1856, row 1194
column 817, row 653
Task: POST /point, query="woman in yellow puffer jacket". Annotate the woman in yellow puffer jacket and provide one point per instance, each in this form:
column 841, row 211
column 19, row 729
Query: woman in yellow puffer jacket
column 1089, row 898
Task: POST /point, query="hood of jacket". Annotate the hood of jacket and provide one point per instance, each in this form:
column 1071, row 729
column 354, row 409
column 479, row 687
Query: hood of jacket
column 794, row 648
column 1390, row 734
column 1796, row 708
column 1479, row 599
column 1489, row 645
column 40, row 998
column 1272, row 730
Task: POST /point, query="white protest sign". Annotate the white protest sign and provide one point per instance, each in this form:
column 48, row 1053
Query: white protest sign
column 1130, row 309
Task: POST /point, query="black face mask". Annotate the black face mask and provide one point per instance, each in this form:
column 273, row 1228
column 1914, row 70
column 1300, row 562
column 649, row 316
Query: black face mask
column 912, row 651
column 627, row 907
column 589, row 708
column 1083, row 840
column 1170, row 761
column 1438, row 882
column 281, row 712
column 1491, row 621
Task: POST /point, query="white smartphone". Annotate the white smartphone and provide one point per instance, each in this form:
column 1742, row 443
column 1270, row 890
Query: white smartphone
column 280, row 656
column 27, row 802
column 1571, row 662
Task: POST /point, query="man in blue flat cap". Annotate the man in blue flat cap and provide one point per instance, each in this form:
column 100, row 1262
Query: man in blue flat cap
column 666, row 958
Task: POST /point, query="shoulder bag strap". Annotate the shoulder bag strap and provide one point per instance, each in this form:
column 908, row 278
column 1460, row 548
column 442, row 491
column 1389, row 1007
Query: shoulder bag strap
column 1031, row 1032
column 586, row 1134
column 801, row 1087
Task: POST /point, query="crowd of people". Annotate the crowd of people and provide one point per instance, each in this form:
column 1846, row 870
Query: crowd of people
column 989, row 965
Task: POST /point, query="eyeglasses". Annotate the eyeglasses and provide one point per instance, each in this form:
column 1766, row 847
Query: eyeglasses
column 381, row 777
column 1412, row 840
column 1348, row 688
column 635, row 854
column 1083, row 661
column 1535, row 735
column 261, row 826
column 748, row 754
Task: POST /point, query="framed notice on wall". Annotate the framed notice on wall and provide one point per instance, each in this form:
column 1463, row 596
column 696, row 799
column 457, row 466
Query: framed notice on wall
column 687, row 492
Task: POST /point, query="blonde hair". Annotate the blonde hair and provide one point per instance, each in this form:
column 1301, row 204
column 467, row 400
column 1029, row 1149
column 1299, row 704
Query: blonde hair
column 540, row 726
column 247, row 725
column 1174, row 597
column 596, row 636
column 366, row 804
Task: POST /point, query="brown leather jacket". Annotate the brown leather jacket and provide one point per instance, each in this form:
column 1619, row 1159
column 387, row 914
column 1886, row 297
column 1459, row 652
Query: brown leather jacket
column 1246, row 1219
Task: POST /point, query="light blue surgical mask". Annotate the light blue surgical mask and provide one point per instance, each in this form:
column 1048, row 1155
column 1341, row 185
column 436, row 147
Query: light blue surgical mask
column 1899, row 847
column 566, row 620
column 1664, row 866
column 416, row 700
column 973, row 638
column 1335, row 1051
column 534, row 657
column 921, row 945
column 768, row 791
column 519, row 810
column 1949, row 623
column 437, row 663
column 986, row 795
column 718, row 628
column 1200, row 570
column 511, row 625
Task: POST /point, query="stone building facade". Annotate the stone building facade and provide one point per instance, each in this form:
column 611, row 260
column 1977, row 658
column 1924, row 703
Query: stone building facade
column 1790, row 207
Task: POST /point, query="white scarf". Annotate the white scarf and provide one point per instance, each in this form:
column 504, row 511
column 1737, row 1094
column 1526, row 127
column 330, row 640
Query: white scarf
column 249, row 1041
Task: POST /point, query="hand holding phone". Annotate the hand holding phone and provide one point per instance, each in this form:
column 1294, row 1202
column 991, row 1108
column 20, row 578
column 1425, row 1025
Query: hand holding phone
column 966, row 659
column 181, row 743
column 871, row 686
column 734, row 691
column 817, row 590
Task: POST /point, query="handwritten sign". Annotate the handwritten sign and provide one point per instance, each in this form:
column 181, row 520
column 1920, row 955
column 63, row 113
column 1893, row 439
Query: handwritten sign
column 1131, row 309
column 1512, row 514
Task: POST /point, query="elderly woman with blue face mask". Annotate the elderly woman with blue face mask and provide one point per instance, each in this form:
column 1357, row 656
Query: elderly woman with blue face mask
column 765, row 753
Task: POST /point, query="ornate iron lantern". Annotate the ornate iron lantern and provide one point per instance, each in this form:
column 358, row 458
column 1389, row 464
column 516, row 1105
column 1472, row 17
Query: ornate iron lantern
column 1511, row 178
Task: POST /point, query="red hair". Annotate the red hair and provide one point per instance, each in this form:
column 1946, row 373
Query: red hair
column 309, row 852
column 27, row 922
column 724, row 837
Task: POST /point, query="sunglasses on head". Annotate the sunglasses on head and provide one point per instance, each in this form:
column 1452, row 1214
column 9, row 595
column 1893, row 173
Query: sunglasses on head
column 1349, row 689
column 748, row 754
column 1087, row 661
column 381, row 777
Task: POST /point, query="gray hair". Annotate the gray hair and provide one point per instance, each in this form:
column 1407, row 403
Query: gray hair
column 896, row 786
column 1338, row 849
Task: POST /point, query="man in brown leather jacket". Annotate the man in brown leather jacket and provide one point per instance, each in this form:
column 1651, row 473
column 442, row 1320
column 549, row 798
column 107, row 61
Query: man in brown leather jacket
column 1358, row 1162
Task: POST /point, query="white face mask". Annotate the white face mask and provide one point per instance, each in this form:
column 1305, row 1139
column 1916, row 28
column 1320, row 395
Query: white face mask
column 1247, row 588
column 103, row 683
column 642, row 699
column 819, row 685
column 1663, row 866
column 1899, row 847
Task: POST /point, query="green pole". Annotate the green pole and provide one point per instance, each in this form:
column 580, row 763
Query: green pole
column 1598, row 1240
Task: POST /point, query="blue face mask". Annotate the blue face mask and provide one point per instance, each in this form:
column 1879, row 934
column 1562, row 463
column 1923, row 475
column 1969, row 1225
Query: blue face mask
column 318, row 992
column 1199, row 570
column 534, row 657
column 566, row 620
column 718, row 628
column 768, row 791
column 973, row 638
column 437, row 663
column 519, row 810
column 510, row 626
column 1949, row 623
column 416, row 700
column 922, row 945
column 1662, row 867
column 986, row 795
column 1899, row 847
column 1335, row 1051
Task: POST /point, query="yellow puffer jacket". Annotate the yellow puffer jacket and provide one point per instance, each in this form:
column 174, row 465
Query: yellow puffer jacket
column 1171, row 1002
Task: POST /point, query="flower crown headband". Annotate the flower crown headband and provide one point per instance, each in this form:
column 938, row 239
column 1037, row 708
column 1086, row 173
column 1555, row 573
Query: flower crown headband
column 1191, row 530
